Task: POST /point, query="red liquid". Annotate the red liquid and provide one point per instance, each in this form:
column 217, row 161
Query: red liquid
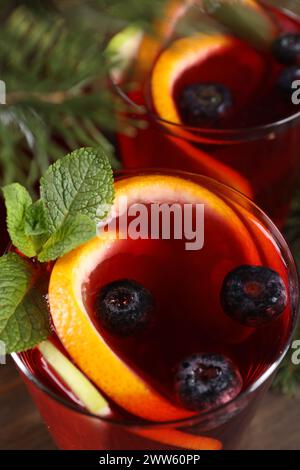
column 268, row 159
column 188, row 319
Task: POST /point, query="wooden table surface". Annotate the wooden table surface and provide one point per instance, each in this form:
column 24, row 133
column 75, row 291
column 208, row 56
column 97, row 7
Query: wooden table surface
column 276, row 425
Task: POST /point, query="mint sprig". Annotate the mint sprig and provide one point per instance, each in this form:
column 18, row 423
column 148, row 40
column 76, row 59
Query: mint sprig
column 24, row 317
column 74, row 192
column 75, row 195
column 74, row 231
column 80, row 183
column 17, row 201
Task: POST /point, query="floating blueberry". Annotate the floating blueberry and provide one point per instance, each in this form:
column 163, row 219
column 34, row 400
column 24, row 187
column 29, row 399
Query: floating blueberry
column 124, row 307
column 286, row 48
column 286, row 79
column 253, row 295
column 199, row 103
column 205, row 381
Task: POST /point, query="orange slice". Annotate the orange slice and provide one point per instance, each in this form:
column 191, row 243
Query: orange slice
column 75, row 328
column 180, row 439
column 187, row 53
column 162, row 30
column 202, row 56
column 94, row 402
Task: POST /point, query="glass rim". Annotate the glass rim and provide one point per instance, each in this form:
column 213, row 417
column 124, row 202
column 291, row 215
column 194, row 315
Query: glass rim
column 198, row 134
column 230, row 134
column 198, row 417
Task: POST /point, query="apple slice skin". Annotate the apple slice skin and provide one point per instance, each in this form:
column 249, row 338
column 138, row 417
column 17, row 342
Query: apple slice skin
column 94, row 402
column 76, row 381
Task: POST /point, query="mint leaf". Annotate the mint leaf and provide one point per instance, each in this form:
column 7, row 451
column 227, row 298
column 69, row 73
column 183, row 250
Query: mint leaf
column 81, row 183
column 24, row 317
column 35, row 224
column 35, row 220
column 17, row 201
column 76, row 229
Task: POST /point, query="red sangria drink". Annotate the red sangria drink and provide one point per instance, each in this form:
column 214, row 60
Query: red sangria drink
column 215, row 89
column 166, row 326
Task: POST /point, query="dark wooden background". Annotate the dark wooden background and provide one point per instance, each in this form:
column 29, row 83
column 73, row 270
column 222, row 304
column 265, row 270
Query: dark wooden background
column 276, row 425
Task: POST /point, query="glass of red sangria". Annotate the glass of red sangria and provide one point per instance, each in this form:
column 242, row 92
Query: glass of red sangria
column 168, row 325
column 213, row 89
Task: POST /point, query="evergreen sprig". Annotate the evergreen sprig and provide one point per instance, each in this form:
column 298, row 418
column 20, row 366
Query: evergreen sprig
column 55, row 70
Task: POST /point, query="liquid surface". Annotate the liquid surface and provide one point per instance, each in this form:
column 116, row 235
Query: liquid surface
column 236, row 69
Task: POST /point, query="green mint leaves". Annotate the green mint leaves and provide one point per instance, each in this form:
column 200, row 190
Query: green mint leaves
column 17, row 201
column 74, row 231
column 76, row 193
column 24, row 317
column 80, row 183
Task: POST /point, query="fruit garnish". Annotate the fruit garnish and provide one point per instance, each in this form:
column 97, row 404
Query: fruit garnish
column 198, row 56
column 173, row 437
column 76, row 329
column 122, row 50
column 204, row 103
column 94, row 402
column 244, row 18
column 162, row 29
column 73, row 192
column 286, row 48
column 124, row 307
column 253, row 295
column 76, row 381
column 193, row 60
column 286, row 79
column 205, row 381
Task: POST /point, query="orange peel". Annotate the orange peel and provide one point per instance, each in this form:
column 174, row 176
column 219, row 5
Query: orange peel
column 75, row 328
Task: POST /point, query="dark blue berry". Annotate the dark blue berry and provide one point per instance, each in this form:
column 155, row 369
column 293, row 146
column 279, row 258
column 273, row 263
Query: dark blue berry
column 253, row 295
column 201, row 103
column 286, row 48
column 205, row 381
column 124, row 307
column 286, row 79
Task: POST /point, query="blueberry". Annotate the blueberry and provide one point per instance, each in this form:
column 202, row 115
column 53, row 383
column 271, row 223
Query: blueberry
column 253, row 295
column 205, row 381
column 286, row 79
column 286, row 48
column 199, row 103
column 124, row 307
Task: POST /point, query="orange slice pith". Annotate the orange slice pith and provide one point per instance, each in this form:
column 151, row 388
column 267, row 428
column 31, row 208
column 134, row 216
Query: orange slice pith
column 74, row 327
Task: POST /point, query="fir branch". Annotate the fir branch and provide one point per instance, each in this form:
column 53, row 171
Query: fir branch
column 57, row 97
column 110, row 16
column 54, row 63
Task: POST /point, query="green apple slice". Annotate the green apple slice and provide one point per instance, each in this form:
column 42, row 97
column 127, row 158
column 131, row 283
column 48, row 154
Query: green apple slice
column 82, row 388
